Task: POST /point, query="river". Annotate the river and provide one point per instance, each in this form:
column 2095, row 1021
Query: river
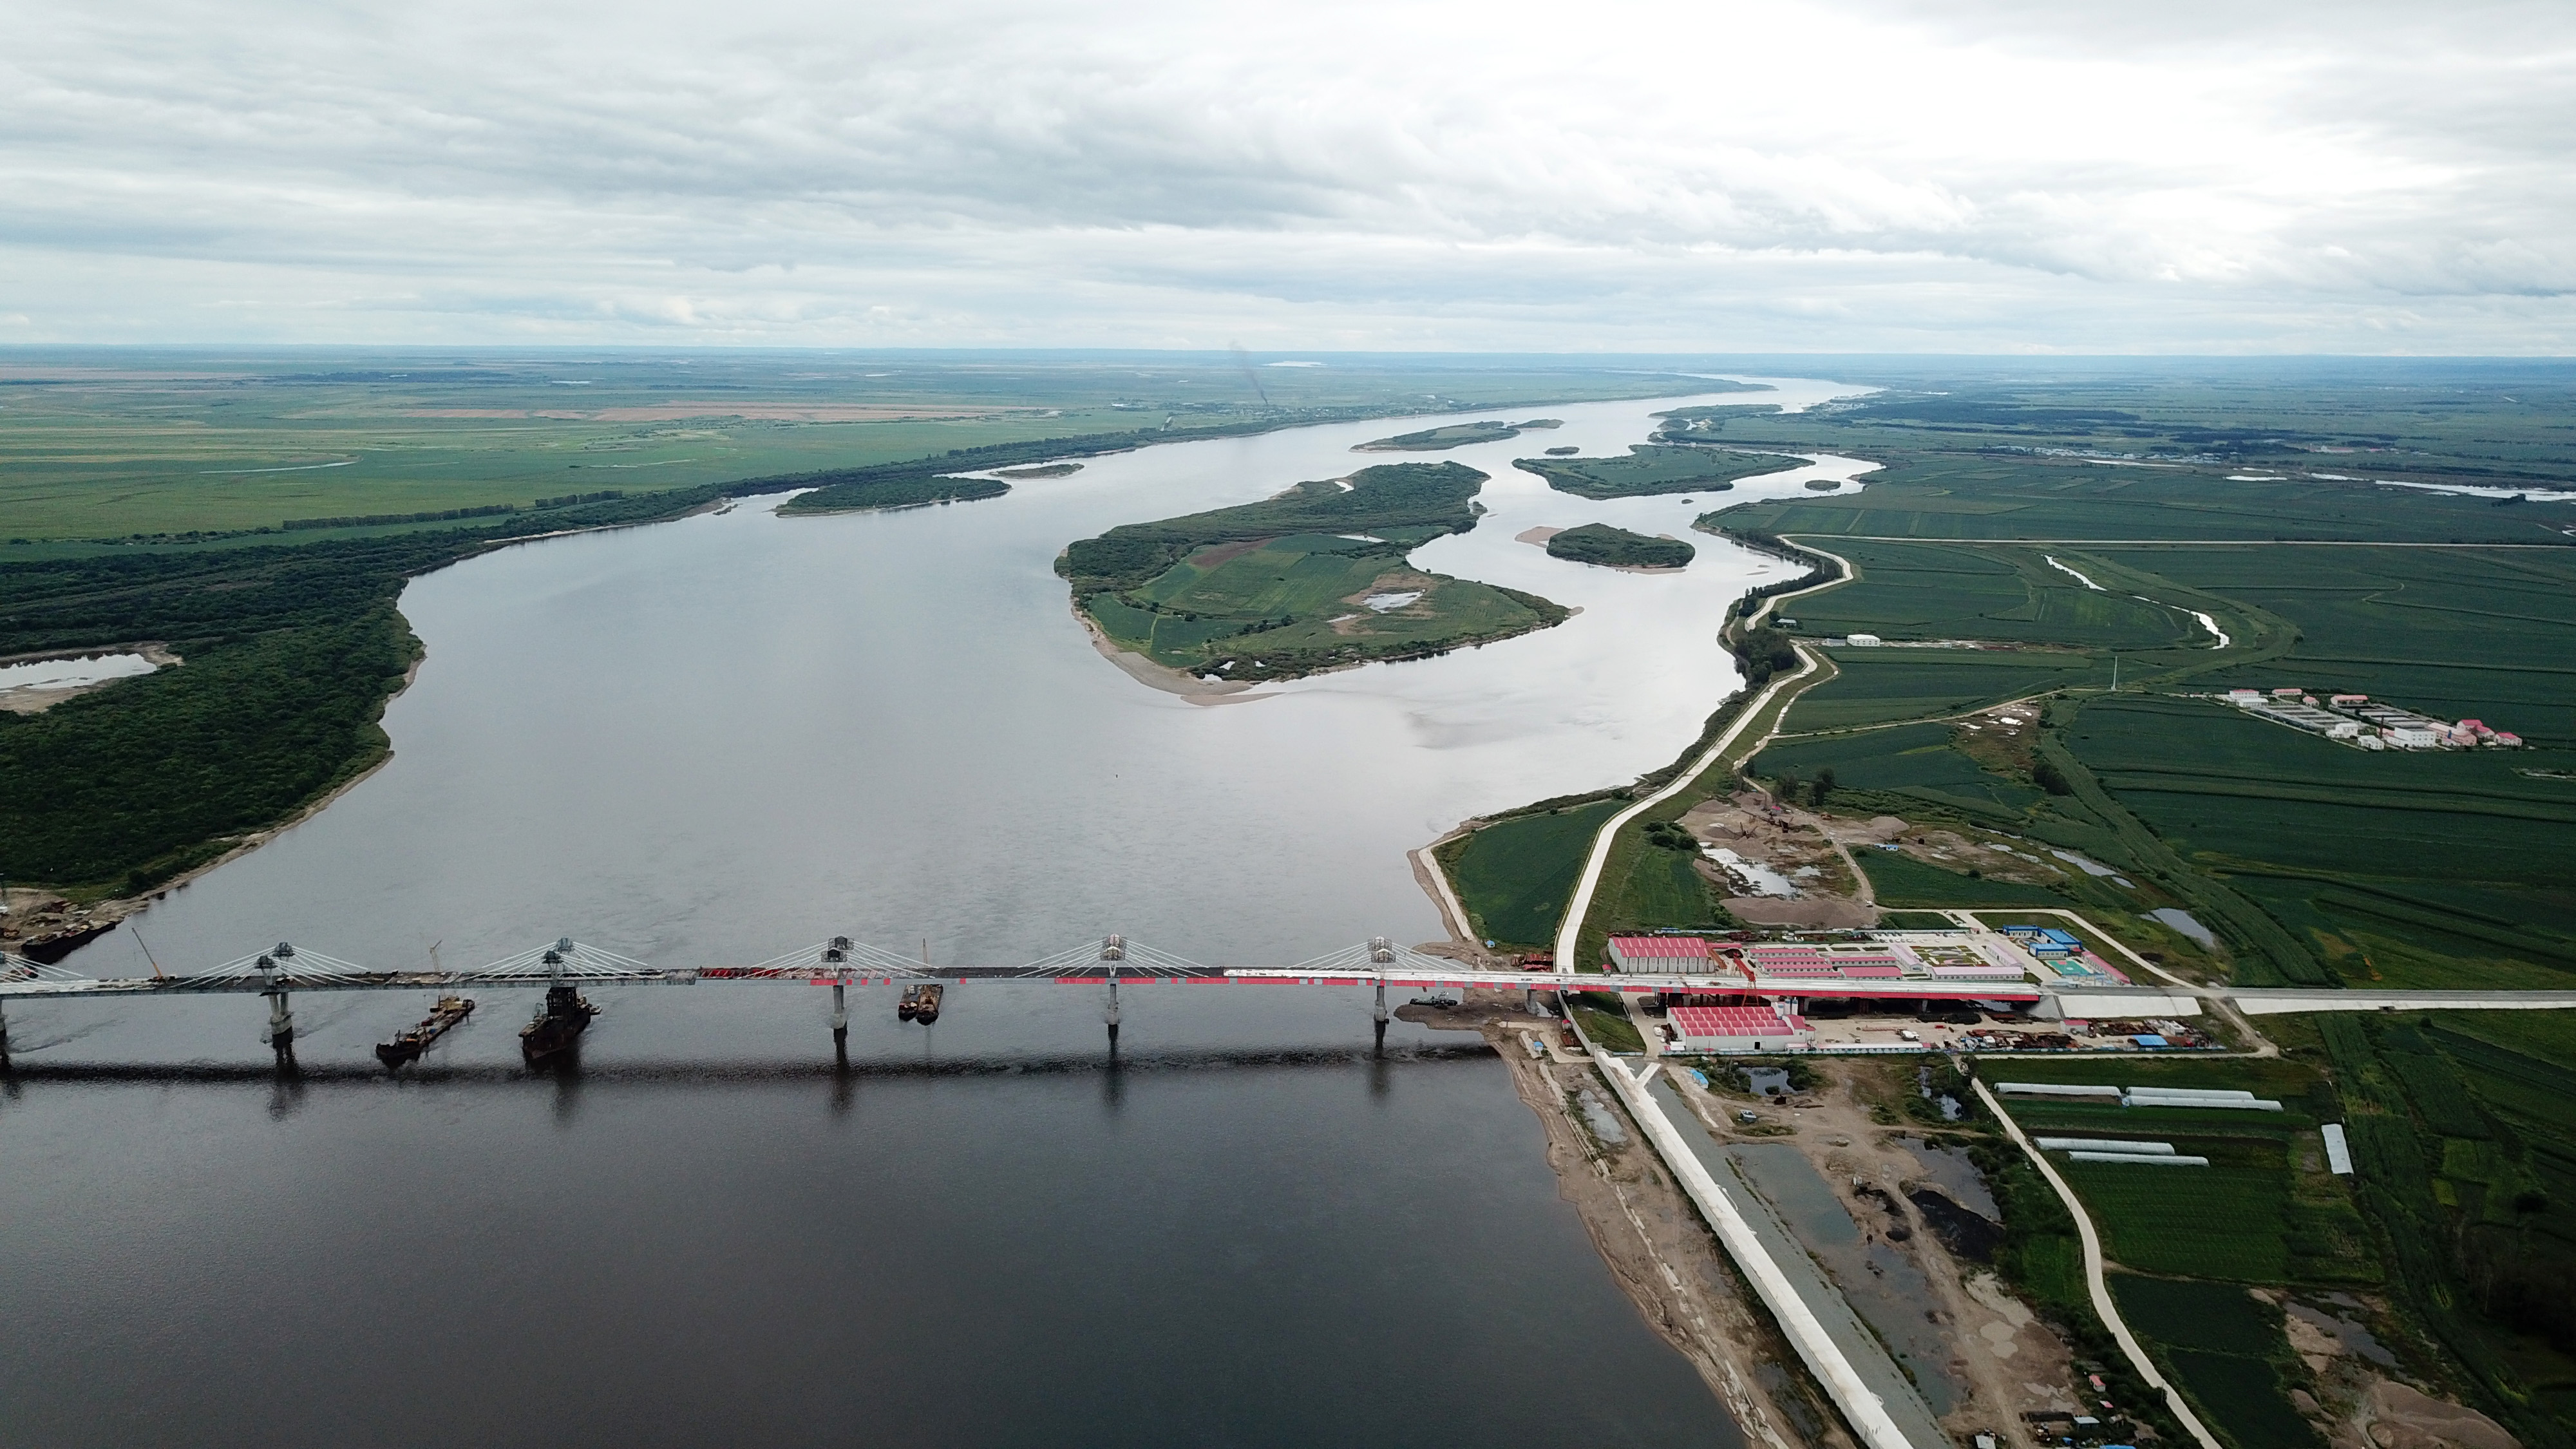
column 710, row 741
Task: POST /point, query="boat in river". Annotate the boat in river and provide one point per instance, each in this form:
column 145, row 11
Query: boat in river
column 446, row 1016
column 558, row 1025
column 920, row 1003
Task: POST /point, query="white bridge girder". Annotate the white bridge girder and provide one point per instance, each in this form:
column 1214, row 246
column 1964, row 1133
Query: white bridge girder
column 1116, row 961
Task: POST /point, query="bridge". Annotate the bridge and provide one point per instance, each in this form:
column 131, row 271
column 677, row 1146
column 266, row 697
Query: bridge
column 285, row 970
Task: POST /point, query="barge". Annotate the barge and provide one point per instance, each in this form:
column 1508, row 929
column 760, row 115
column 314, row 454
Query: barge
column 446, row 1016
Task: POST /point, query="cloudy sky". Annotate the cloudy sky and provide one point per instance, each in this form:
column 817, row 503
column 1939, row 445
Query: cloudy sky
column 1856, row 175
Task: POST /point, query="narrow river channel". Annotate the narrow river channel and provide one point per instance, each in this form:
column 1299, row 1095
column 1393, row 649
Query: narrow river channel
column 711, row 741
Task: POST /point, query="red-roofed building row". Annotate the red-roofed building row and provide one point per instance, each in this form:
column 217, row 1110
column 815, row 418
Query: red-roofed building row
column 1659, row 954
column 1736, row 1029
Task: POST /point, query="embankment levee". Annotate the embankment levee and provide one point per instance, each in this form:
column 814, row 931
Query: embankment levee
column 1863, row 1411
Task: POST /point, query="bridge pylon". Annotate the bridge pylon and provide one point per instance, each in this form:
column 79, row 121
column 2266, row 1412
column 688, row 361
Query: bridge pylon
column 836, row 959
column 281, row 1019
column 1113, row 949
column 1381, row 954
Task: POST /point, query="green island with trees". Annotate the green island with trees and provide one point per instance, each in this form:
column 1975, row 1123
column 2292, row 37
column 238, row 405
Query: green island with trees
column 1599, row 543
column 1314, row 578
column 1451, row 435
column 1652, row 469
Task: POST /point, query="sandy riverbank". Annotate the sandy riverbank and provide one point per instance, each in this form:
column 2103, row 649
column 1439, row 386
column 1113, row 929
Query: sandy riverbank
column 1155, row 676
column 1667, row 1262
column 37, row 699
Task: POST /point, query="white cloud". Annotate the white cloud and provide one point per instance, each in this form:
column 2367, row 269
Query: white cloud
column 1783, row 175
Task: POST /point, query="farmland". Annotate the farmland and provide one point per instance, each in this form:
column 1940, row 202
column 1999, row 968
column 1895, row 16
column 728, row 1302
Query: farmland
column 1928, row 591
column 1879, row 686
column 2227, row 1347
column 2432, row 870
column 1514, row 876
column 2485, row 633
column 2002, row 500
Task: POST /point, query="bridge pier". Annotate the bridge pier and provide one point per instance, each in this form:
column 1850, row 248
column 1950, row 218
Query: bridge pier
column 836, row 952
column 281, row 1020
column 1112, row 951
column 1381, row 952
column 281, row 1024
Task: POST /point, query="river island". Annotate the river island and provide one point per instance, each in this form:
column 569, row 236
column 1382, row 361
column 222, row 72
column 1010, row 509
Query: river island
column 1316, row 577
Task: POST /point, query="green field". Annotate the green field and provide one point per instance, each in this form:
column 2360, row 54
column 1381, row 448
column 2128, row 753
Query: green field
column 2263, row 1211
column 1599, row 543
column 2454, row 861
column 1901, row 880
column 1933, row 591
column 1515, row 875
column 2468, row 633
column 1878, row 686
column 2227, row 1348
column 1653, row 469
column 1285, row 602
column 1914, row 762
column 1930, row 496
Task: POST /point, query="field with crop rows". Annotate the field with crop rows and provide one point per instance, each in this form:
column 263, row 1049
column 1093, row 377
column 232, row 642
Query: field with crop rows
column 2457, row 633
column 1937, row 591
column 1514, row 876
column 2228, row 1349
column 1876, row 686
column 2457, row 854
column 1914, row 761
column 1981, row 498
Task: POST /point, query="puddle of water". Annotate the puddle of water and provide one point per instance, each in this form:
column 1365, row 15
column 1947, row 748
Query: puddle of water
column 1953, row 1171
column 1605, row 1123
column 2085, row 864
column 1760, row 879
column 1769, row 1081
column 1878, row 1280
column 2355, row 1337
column 1964, row 1233
column 2183, row 921
column 71, row 673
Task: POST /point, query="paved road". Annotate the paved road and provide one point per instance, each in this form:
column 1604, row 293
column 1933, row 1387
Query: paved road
column 1569, row 934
